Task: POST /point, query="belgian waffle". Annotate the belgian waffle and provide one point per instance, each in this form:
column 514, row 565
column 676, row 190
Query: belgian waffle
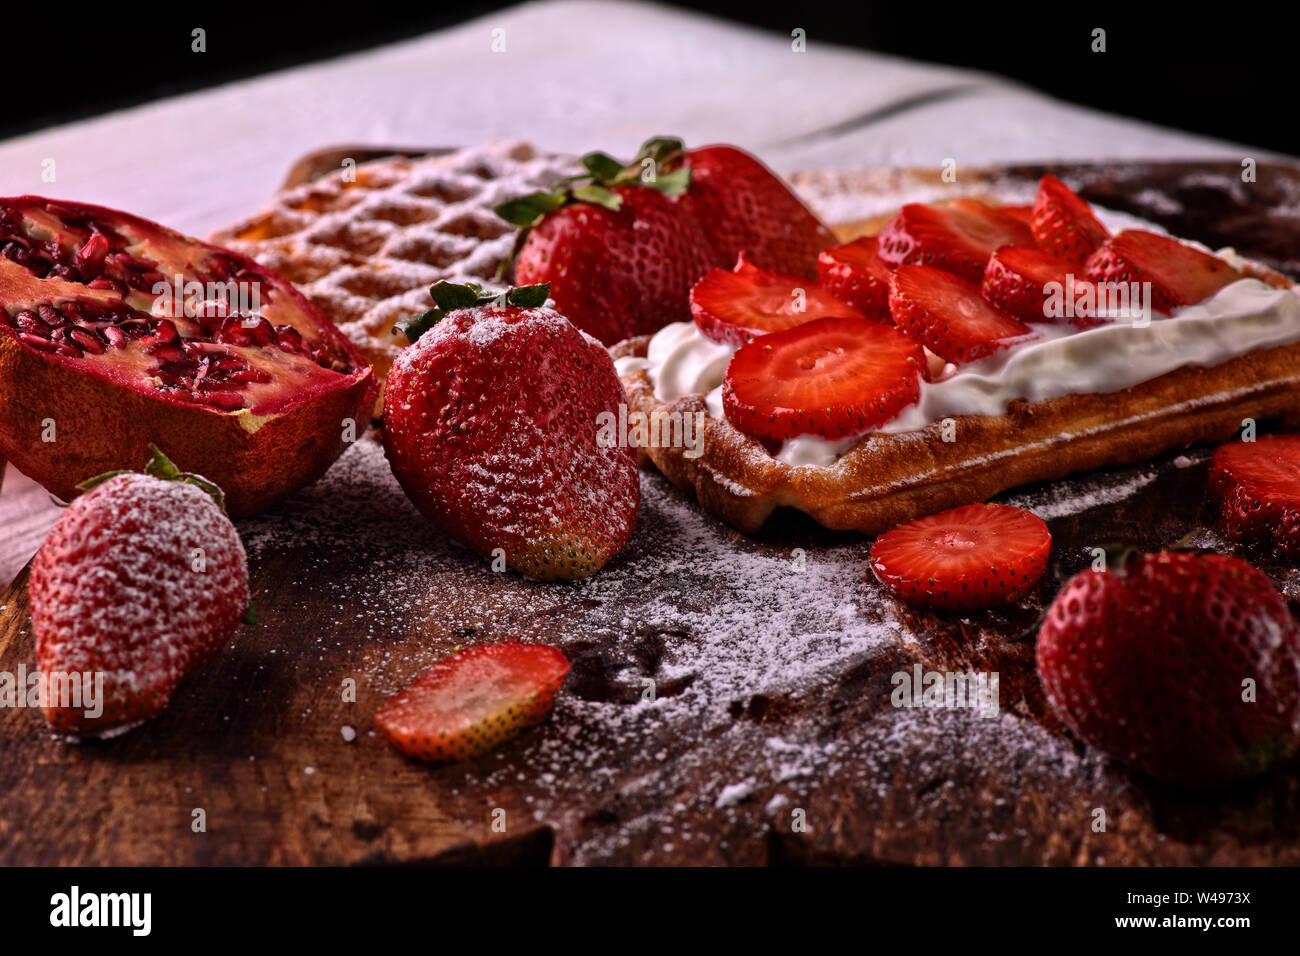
column 364, row 245
column 887, row 478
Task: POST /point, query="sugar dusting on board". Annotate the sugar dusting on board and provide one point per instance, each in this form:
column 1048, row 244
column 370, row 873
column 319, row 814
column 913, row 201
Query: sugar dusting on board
column 693, row 654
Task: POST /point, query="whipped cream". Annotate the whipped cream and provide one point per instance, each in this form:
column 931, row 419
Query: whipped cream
column 1055, row 361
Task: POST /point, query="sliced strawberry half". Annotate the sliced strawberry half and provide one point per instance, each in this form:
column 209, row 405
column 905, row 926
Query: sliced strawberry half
column 948, row 315
column 467, row 704
column 1063, row 224
column 1257, row 486
column 1179, row 274
column 970, row 557
column 958, row 237
column 833, row 377
column 1017, row 280
column 856, row 275
column 1024, row 214
column 735, row 306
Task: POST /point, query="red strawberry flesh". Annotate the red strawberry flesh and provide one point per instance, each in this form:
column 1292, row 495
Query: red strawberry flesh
column 1179, row 274
column 856, row 275
column 737, row 305
column 1257, row 486
column 1063, row 224
column 948, row 315
column 958, row 237
column 832, row 377
column 473, row 701
column 970, row 557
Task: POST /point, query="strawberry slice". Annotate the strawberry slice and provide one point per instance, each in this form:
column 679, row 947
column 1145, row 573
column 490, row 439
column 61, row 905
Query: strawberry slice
column 1016, row 281
column 1024, row 214
column 856, row 275
column 958, row 236
column 1179, row 274
column 833, row 377
column 735, row 306
column 1063, row 224
column 467, row 704
column 970, row 557
column 1257, row 487
column 947, row 314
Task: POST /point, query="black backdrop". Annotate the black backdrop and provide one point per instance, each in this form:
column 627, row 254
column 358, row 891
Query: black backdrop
column 1226, row 70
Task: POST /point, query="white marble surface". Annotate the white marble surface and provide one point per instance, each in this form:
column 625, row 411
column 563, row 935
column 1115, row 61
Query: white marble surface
column 574, row 76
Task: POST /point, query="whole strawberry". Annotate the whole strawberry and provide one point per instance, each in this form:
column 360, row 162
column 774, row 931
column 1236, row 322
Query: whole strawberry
column 140, row 581
column 744, row 207
column 619, row 254
column 493, row 425
column 1184, row 666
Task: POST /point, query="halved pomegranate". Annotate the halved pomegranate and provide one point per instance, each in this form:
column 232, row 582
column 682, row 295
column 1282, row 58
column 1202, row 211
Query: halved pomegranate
column 116, row 332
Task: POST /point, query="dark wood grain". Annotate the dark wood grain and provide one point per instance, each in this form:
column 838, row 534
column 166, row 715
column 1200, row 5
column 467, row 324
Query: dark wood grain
column 255, row 738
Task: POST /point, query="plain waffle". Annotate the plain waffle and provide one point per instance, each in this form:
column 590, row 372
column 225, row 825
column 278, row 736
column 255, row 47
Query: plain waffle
column 365, row 244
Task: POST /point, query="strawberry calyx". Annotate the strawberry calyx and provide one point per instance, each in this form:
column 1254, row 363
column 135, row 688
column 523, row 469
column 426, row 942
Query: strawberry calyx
column 162, row 468
column 451, row 296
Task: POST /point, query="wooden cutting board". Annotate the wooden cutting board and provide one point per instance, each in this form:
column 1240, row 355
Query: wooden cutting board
column 771, row 737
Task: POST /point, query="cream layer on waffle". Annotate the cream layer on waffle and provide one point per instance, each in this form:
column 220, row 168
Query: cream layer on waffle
column 1056, row 403
column 364, row 246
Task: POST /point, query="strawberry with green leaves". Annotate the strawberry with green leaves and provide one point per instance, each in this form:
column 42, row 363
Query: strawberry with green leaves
column 140, row 581
column 473, row 701
column 492, row 426
column 1184, row 666
column 616, row 247
column 622, row 243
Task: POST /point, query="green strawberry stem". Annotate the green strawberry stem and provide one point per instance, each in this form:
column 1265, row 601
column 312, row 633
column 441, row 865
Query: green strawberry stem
column 450, row 296
column 161, row 467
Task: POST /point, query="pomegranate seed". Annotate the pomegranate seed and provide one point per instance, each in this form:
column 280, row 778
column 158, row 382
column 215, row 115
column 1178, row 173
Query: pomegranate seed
column 166, row 352
column 38, row 342
column 87, row 341
column 165, row 331
column 115, row 336
column 10, row 218
column 51, row 316
column 226, row 401
column 26, row 321
column 93, row 252
column 104, row 282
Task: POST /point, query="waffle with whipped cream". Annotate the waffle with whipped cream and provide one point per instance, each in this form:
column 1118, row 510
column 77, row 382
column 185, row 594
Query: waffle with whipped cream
column 1037, row 411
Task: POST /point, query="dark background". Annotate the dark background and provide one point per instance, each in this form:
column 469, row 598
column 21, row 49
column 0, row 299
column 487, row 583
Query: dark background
column 1223, row 70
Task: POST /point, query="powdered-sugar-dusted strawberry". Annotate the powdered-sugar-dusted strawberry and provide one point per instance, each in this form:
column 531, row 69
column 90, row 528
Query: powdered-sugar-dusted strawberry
column 957, row 237
column 1257, row 487
column 948, row 315
column 140, row 581
column 970, row 557
column 743, row 206
column 1179, row 274
column 856, row 275
column 492, row 425
column 1184, row 666
column 476, row 699
column 1018, row 278
column 735, row 305
column 620, row 259
column 1063, row 224
column 832, row 377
